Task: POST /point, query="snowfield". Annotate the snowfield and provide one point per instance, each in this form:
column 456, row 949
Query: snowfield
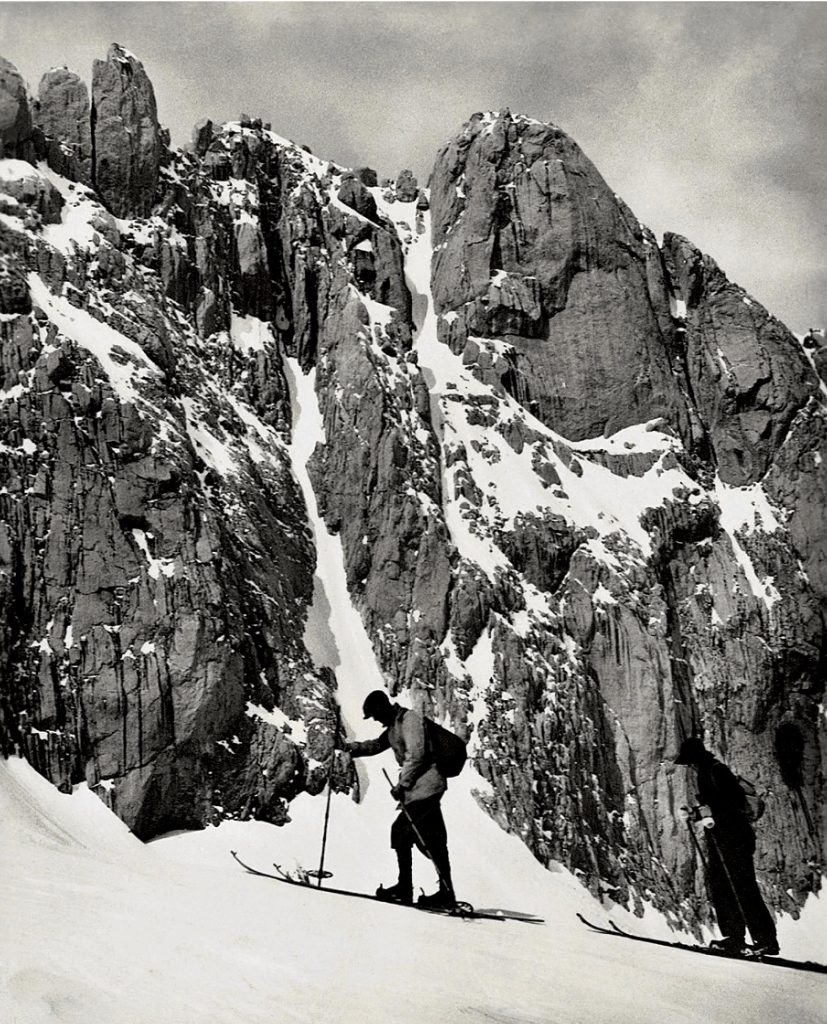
column 98, row 928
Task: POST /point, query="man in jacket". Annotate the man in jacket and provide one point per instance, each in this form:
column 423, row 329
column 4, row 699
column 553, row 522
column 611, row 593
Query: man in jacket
column 418, row 790
column 730, row 843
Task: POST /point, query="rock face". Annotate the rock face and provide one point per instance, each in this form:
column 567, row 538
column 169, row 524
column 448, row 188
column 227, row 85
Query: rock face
column 126, row 137
column 15, row 120
column 63, row 115
column 532, row 246
column 202, row 136
column 578, row 483
column 532, row 252
column 746, row 372
column 24, row 191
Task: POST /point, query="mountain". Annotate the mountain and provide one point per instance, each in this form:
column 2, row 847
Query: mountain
column 274, row 434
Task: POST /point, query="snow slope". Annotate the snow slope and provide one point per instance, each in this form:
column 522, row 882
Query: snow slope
column 98, row 929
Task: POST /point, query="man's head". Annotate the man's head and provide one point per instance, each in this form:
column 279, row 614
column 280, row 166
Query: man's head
column 692, row 751
column 378, row 705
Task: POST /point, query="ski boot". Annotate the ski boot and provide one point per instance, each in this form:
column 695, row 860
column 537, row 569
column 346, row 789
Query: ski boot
column 768, row 948
column 442, row 899
column 399, row 893
column 729, row 944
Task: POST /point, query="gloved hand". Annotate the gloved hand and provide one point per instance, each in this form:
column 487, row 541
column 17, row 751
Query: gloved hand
column 345, row 745
column 702, row 819
column 397, row 792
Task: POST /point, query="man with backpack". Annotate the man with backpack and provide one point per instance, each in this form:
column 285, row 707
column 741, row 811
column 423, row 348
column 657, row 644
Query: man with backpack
column 418, row 790
column 724, row 815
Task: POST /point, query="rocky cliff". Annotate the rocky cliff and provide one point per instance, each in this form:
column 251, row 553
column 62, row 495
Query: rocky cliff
column 576, row 478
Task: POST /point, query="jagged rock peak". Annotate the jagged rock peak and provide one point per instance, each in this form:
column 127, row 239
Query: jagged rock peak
column 202, row 135
column 489, row 121
column 532, row 246
column 746, row 371
column 127, row 138
column 63, row 114
column 15, row 119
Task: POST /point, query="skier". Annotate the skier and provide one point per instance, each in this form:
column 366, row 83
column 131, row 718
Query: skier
column 730, row 842
column 418, row 790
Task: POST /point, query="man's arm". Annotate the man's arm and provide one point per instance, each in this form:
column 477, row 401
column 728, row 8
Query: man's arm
column 367, row 748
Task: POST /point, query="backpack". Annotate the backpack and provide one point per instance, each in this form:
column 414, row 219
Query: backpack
column 449, row 751
column 754, row 806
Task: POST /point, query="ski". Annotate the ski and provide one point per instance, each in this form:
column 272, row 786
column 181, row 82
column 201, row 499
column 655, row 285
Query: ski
column 463, row 911
column 774, row 961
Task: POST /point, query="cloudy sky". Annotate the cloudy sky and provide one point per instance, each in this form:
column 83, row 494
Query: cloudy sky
column 709, row 119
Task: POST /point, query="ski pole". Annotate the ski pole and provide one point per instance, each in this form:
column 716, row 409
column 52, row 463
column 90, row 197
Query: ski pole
column 418, row 835
column 327, row 806
column 705, row 863
column 695, row 843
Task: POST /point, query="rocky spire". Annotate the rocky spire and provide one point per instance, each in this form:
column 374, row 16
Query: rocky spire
column 532, row 245
column 63, row 115
column 745, row 370
column 126, row 137
column 15, row 120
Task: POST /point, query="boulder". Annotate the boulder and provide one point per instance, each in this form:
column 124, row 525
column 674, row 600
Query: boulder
column 407, row 190
column 367, row 176
column 354, row 194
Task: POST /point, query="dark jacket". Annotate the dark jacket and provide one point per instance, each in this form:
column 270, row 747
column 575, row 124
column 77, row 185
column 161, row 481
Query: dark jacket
column 721, row 792
column 419, row 777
